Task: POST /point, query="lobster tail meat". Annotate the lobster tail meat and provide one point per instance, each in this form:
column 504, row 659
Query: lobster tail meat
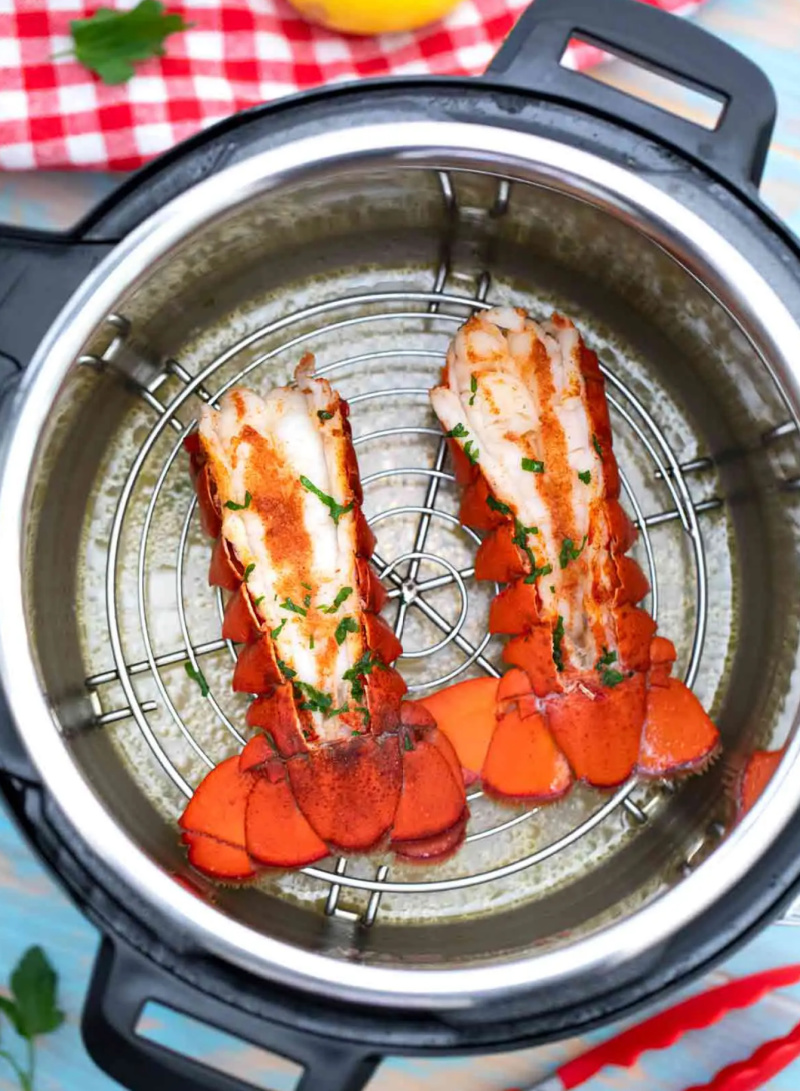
column 524, row 408
column 329, row 767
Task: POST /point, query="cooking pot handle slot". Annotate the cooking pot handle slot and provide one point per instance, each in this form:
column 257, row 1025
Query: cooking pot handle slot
column 736, row 149
column 123, row 982
column 39, row 271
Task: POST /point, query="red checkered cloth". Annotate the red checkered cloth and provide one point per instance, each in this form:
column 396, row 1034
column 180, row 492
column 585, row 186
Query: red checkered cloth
column 54, row 114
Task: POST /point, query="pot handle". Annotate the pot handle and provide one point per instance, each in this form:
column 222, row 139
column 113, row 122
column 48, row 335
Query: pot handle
column 736, row 149
column 123, row 982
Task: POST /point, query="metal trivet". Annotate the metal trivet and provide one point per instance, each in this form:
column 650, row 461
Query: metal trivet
column 295, row 334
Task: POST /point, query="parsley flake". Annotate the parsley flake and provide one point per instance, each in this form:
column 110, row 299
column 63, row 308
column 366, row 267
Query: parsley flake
column 276, row 632
column 337, row 602
column 248, row 572
column 533, row 465
column 362, row 666
column 569, row 552
column 611, row 678
column 286, row 670
column 585, row 476
column 231, row 506
column 345, row 626
column 472, row 454
column 597, row 447
column 473, row 385
column 497, row 505
column 323, row 414
column 558, row 638
column 197, row 675
column 544, row 570
column 317, row 701
column 287, row 604
column 258, row 601
column 306, row 600
column 407, row 743
column 459, row 432
column 337, row 510
column 311, row 642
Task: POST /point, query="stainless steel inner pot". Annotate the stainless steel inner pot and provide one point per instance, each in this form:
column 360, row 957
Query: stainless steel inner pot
column 368, row 247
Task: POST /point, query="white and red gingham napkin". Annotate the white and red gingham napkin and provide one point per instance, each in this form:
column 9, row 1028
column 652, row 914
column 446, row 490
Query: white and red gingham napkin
column 54, row 114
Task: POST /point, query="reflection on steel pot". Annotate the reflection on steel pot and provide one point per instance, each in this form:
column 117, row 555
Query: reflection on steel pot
column 363, row 224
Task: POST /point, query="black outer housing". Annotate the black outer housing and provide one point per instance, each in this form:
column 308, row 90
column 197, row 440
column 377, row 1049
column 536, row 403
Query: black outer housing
column 142, row 956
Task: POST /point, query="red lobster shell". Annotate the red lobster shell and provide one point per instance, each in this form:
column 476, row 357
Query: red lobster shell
column 589, row 695
column 338, row 762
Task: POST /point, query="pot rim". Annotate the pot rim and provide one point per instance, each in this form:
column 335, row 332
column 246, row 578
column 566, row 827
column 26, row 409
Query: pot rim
column 695, row 245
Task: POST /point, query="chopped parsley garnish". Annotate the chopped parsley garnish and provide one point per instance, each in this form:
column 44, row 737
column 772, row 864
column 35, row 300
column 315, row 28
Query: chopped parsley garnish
column 276, row 632
column 354, row 732
column 545, row 570
column 497, row 505
column 608, row 676
column 553, row 588
column 459, row 432
column 585, row 476
column 307, row 586
column 606, row 659
column 323, row 414
column 471, row 454
column 231, row 506
column 520, row 540
column 345, row 626
column 337, row 602
column 364, row 712
column 311, row 642
column 521, row 533
column 306, row 600
column 248, row 572
column 197, row 675
column 258, row 601
column 286, row 670
column 287, row 604
column 558, row 637
column 533, row 465
column 569, row 552
column 337, row 510
column 597, row 447
column 473, row 385
column 407, row 742
column 317, row 701
column 362, row 666
column 611, row 678
column 306, row 734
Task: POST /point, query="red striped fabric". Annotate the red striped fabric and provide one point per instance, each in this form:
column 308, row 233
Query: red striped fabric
column 54, row 114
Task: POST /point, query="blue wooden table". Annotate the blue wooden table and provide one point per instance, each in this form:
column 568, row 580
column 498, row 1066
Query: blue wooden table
column 33, row 910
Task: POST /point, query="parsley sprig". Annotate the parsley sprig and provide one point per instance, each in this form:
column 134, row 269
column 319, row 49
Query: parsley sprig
column 109, row 43
column 533, row 465
column 31, row 1009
